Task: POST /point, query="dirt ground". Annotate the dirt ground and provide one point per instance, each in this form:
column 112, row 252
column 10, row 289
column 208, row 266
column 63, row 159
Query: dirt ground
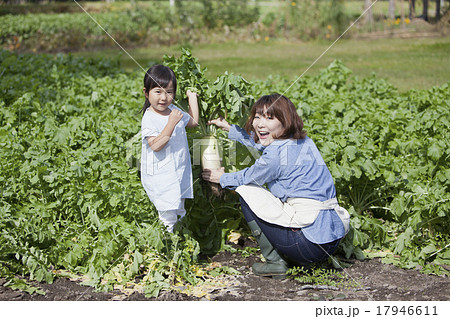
column 369, row 280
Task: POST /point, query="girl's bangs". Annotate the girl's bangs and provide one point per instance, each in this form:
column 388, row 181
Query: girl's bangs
column 163, row 82
column 162, row 76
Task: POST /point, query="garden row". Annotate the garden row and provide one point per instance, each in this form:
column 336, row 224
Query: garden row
column 72, row 201
column 158, row 23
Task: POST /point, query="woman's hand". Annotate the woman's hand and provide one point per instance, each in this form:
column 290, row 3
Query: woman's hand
column 213, row 175
column 220, row 122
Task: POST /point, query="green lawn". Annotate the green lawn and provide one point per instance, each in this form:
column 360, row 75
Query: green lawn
column 406, row 63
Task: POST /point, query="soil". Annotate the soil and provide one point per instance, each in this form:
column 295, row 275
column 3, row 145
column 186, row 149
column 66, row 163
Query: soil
column 364, row 280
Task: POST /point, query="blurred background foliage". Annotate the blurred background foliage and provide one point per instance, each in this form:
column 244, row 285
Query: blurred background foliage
column 64, row 26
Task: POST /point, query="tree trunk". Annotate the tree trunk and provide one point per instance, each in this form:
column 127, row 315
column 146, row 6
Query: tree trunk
column 392, row 9
column 438, row 10
column 412, row 9
column 425, row 10
column 402, row 12
column 369, row 14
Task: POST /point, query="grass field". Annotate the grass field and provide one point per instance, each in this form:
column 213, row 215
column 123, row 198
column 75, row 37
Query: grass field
column 418, row 63
column 406, row 63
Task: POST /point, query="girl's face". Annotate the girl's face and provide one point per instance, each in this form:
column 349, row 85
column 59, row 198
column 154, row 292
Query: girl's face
column 160, row 99
column 267, row 128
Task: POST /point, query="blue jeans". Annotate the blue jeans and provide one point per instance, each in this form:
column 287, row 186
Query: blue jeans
column 291, row 243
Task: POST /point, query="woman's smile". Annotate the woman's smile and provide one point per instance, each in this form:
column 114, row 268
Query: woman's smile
column 268, row 128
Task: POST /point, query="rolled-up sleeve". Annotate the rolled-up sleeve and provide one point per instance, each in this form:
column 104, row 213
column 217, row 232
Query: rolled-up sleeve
column 265, row 170
column 238, row 134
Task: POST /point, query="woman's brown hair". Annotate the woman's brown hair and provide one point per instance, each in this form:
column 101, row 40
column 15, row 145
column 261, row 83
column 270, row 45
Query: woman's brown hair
column 284, row 110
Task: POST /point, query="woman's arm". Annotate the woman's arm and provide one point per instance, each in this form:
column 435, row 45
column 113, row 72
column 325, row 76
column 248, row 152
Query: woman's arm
column 236, row 133
column 265, row 170
column 222, row 123
column 158, row 142
column 193, row 109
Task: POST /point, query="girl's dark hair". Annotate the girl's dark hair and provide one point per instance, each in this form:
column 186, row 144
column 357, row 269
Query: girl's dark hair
column 158, row 76
column 284, row 110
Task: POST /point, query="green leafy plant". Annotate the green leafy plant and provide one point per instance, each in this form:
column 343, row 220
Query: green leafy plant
column 71, row 202
column 228, row 96
column 317, row 275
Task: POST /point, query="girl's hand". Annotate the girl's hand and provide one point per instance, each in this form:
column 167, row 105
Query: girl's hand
column 220, row 122
column 213, row 175
column 190, row 94
column 175, row 116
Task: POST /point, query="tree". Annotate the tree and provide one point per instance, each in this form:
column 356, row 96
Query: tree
column 392, row 9
column 369, row 14
column 425, row 10
column 438, row 10
column 412, row 9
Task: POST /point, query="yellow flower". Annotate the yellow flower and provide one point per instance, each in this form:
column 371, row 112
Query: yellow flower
column 397, row 21
column 327, row 36
column 293, row 4
column 407, row 21
column 266, row 38
column 329, row 27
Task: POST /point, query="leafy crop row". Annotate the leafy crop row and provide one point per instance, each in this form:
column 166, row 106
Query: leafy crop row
column 156, row 23
column 71, row 198
column 186, row 22
column 388, row 153
column 57, row 32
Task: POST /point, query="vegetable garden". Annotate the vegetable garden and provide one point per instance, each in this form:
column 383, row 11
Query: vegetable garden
column 69, row 26
column 72, row 203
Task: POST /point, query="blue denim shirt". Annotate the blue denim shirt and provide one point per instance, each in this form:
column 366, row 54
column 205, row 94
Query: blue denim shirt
column 291, row 168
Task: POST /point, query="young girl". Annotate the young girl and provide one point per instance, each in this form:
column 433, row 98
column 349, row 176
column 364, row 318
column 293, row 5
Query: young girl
column 166, row 172
column 299, row 220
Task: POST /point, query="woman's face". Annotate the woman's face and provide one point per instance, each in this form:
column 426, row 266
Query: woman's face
column 267, row 128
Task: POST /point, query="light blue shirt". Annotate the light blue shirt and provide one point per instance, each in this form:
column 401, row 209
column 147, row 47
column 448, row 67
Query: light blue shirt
column 291, row 169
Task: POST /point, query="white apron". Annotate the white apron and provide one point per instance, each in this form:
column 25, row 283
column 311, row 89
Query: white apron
column 294, row 213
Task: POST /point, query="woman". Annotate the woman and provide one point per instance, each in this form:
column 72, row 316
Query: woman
column 299, row 220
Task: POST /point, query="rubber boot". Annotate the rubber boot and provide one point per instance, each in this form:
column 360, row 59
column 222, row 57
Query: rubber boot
column 275, row 266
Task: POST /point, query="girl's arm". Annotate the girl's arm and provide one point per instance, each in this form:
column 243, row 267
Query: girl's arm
column 193, row 109
column 158, row 142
